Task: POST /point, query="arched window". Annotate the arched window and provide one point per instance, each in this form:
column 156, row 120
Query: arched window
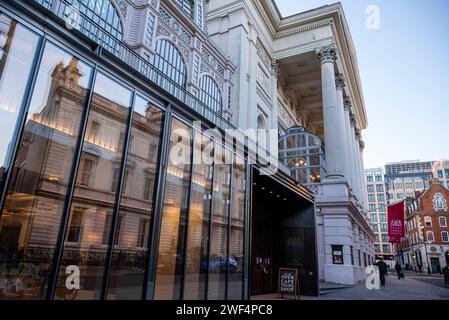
column 102, row 12
column 303, row 153
column 210, row 94
column 187, row 6
column 169, row 61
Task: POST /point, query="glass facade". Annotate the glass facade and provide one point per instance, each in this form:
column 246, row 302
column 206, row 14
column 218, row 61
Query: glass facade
column 83, row 169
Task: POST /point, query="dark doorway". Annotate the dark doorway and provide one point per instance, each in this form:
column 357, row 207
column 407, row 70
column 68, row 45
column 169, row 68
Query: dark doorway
column 283, row 234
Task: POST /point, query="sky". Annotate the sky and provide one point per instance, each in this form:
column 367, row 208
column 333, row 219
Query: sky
column 404, row 67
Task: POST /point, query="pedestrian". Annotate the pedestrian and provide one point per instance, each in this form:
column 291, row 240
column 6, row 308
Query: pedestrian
column 382, row 271
column 398, row 269
column 445, row 272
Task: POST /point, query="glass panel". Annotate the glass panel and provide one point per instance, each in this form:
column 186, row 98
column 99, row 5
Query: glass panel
column 36, row 195
column 197, row 245
column 93, row 196
column 170, row 261
column 219, row 233
column 136, row 208
column 236, row 245
column 17, row 49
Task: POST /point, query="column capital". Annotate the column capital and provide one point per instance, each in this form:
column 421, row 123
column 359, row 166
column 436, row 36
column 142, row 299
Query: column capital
column 347, row 103
column 340, row 81
column 353, row 120
column 275, row 68
column 328, row 54
column 362, row 145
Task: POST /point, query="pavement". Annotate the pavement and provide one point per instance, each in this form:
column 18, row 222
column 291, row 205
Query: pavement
column 413, row 287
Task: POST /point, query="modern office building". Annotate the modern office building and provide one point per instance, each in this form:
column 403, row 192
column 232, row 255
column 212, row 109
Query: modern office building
column 105, row 107
column 441, row 172
column 425, row 246
column 403, row 179
column 377, row 211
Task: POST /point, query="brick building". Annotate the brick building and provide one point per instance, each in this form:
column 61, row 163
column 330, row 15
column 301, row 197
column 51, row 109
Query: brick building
column 425, row 246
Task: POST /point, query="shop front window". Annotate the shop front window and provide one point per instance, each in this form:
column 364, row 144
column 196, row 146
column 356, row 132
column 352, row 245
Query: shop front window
column 37, row 190
column 110, row 107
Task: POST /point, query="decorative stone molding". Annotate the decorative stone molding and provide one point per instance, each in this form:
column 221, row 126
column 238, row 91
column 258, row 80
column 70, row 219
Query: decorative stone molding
column 439, row 202
column 162, row 31
column 123, row 6
column 263, row 55
column 328, row 54
column 340, row 81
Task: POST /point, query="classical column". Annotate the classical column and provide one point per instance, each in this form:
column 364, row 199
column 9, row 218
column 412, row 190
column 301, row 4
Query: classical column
column 349, row 134
column 340, row 83
column 333, row 137
column 364, row 191
column 355, row 169
column 361, row 179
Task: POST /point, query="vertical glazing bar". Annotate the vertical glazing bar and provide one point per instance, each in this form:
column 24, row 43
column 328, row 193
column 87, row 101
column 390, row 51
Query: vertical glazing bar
column 155, row 236
column 118, row 198
column 231, row 179
column 211, row 209
column 248, row 236
column 187, row 217
column 21, row 118
column 57, row 257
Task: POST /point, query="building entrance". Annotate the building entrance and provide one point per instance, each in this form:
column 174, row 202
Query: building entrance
column 283, row 235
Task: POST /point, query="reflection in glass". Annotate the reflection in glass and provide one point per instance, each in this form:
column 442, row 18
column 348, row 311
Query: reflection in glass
column 170, row 260
column 236, row 244
column 218, row 259
column 30, row 221
column 101, row 155
column 199, row 217
column 130, row 254
column 17, row 50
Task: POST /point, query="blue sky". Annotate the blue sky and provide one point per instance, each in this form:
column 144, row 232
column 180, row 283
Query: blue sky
column 404, row 68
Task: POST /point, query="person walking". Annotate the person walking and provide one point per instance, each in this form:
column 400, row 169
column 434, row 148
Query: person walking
column 398, row 269
column 382, row 271
column 445, row 272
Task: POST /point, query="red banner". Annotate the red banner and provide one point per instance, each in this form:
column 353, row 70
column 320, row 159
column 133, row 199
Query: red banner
column 396, row 222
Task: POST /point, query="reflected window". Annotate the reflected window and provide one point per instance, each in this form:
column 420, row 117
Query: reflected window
column 110, row 107
column 30, row 221
column 17, row 50
column 86, row 171
column 103, row 13
column 169, row 61
column 75, row 225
